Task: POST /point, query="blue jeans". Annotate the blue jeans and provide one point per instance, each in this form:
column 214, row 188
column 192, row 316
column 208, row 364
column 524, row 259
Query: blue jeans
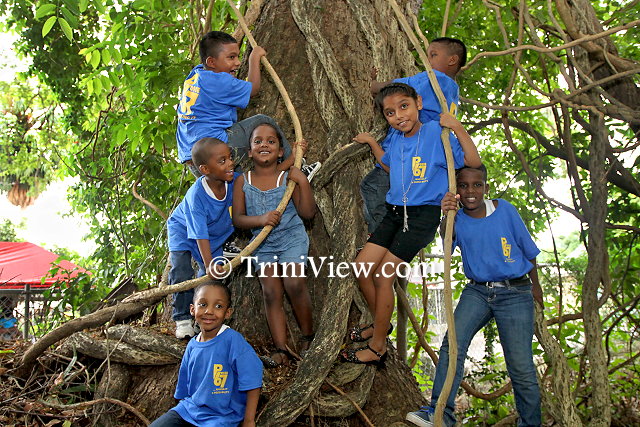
column 181, row 270
column 512, row 307
column 170, row 419
column 373, row 188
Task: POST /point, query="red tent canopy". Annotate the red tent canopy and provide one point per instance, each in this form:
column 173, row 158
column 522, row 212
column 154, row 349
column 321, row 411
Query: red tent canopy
column 25, row 263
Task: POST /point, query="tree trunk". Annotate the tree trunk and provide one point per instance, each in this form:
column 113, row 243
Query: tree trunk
column 324, row 52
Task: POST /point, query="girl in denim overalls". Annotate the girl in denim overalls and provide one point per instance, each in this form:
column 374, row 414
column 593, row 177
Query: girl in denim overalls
column 281, row 258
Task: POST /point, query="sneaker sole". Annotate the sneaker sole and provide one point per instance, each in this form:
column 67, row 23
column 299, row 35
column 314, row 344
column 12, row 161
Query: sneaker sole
column 417, row 420
column 313, row 173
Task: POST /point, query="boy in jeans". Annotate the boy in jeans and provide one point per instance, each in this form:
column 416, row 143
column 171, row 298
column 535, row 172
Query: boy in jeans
column 200, row 224
column 211, row 96
column 499, row 258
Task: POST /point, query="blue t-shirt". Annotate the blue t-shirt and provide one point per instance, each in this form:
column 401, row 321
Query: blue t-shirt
column 430, row 105
column 208, row 106
column 201, row 215
column 497, row 247
column 213, row 380
column 425, row 166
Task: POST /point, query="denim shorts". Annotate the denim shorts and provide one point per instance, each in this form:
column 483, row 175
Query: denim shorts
column 295, row 250
column 423, row 222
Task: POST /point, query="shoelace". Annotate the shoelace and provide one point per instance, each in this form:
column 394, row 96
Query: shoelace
column 428, row 409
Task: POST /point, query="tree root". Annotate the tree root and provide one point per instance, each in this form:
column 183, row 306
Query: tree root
column 97, row 401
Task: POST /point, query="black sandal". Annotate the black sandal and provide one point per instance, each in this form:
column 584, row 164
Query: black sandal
column 349, row 355
column 355, row 334
column 269, row 363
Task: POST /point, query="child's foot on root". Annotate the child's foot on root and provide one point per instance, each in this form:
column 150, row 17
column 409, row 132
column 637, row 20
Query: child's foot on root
column 305, row 343
column 362, row 333
column 279, row 357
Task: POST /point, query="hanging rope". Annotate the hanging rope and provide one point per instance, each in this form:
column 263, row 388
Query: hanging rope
column 298, row 135
column 448, row 236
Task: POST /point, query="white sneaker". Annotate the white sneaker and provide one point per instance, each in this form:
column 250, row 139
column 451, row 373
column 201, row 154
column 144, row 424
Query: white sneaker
column 311, row 170
column 422, row 418
column 184, row 329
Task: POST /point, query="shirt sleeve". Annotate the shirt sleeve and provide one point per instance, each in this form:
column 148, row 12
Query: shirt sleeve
column 182, row 388
column 226, row 89
column 522, row 235
column 196, row 219
column 248, row 366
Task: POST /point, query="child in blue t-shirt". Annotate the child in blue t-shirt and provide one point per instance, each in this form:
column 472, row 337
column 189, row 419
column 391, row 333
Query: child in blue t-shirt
column 281, row 257
column 211, row 96
column 220, row 375
column 446, row 56
column 499, row 258
column 417, row 169
column 200, row 224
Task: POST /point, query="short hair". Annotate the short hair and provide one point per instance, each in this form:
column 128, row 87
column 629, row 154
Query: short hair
column 210, row 44
column 200, row 152
column 278, row 133
column 455, row 47
column 393, row 89
column 216, row 284
column 482, row 168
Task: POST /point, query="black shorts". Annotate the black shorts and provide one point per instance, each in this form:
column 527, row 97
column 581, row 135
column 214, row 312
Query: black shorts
column 423, row 222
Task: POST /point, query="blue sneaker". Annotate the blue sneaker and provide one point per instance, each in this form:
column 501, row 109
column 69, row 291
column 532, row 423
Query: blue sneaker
column 422, row 417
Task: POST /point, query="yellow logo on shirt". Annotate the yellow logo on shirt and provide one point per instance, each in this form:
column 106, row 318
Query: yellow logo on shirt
column 219, row 378
column 419, row 169
column 230, row 213
column 506, row 250
column 190, row 94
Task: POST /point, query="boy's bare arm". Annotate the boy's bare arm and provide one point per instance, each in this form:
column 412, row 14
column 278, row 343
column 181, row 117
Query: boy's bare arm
column 302, row 194
column 252, row 406
column 471, row 156
column 205, row 252
column 536, row 289
column 254, row 69
column 376, row 149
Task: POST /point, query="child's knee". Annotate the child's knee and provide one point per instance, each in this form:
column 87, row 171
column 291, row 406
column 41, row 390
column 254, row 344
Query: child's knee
column 272, row 295
column 295, row 288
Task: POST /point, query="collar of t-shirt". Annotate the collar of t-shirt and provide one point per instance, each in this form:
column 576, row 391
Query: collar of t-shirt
column 221, row 330
column 210, row 192
column 490, row 208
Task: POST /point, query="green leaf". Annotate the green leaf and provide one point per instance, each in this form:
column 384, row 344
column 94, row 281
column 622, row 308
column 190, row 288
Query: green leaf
column 44, row 10
column 115, row 55
column 105, row 82
column 48, row 25
column 69, row 17
column 97, row 84
column 113, row 77
column 72, row 5
column 128, row 72
column 99, row 5
column 67, row 423
column 95, row 58
column 82, row 5
column 66, row 29
column 89, row 87
column 106, row 57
